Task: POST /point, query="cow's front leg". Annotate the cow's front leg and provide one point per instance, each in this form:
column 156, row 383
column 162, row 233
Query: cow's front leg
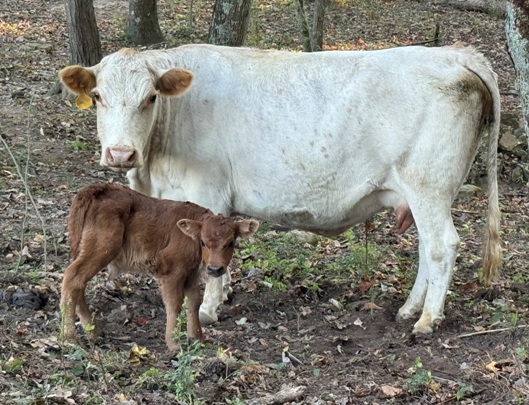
column 212, row 299
column 226, row 285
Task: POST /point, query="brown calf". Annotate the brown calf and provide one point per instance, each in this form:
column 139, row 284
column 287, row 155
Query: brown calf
column 113, row 226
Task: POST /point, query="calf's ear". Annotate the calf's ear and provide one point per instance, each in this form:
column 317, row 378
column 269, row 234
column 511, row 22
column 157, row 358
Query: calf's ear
column 247, row 228
column 190, row 227
column 174, row 82
column 78, row 79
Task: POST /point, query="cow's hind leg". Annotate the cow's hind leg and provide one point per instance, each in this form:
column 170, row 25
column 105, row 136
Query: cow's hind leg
column 439, row 243
column 415, row 302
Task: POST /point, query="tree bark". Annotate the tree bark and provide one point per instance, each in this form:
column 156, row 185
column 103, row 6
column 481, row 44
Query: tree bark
column 144, row 28
column 85, row 46
column 517, row 33
column 229, row 23
column 317, row 24
column 304, row 26
column 312, row 36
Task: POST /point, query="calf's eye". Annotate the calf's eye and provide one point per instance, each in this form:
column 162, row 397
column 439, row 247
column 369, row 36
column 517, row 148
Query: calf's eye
column 152, row 99
column 202, row 243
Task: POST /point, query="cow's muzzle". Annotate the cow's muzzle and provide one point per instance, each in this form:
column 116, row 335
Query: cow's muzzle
column 121, row 157
column 215, row 271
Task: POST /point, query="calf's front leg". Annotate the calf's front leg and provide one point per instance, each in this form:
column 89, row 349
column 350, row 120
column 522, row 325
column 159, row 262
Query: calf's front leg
column 194, row 330
column 173, row 298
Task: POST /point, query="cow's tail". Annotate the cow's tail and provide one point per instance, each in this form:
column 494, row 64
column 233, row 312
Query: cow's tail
column 81, row 204
column 492, row 245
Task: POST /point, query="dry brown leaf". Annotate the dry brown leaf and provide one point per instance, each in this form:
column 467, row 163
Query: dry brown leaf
column 390, row 391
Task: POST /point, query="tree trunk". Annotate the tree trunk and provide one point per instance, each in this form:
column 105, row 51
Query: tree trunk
column 304, row 26
column 517, row 32
column 229, row 23
column 317, row 24
column 85, row 46
column 144, row 28
column 312, row 36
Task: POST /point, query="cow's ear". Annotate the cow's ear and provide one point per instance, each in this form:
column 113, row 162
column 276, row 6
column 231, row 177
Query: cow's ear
column 78, row 79
column 190, row 227
column 247, row 228
column 174, row 82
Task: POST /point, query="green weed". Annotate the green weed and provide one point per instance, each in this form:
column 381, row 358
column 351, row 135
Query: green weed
column 419, row 379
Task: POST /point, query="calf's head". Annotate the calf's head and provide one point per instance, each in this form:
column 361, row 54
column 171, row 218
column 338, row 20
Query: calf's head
column 127, row 88
column 217, row 235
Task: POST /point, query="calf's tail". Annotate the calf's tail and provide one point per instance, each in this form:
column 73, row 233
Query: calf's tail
column 76, row 220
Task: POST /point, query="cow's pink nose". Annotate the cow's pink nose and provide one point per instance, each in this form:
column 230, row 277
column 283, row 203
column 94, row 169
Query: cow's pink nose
column 121, row 156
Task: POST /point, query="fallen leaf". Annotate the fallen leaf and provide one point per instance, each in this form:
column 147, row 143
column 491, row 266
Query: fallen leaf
column 390, row 391
column 358, row 322
column 336, row 304
column 138, row 353
column 492, row 367
column 365, row 285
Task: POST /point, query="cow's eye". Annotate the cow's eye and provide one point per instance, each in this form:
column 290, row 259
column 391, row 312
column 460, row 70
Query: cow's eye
column 231, row 244
column 152, row 99
column 96, row 96
column 202, row 243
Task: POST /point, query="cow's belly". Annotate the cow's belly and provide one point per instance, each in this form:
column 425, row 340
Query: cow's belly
column 331, row 214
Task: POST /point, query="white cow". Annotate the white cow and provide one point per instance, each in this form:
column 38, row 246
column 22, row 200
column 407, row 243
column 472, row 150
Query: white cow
column 318, row 141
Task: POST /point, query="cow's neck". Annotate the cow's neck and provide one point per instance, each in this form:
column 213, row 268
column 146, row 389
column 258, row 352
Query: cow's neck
column 157, row 176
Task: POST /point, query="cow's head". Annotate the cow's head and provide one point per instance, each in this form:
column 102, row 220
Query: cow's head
column 217, row 235
column 126, row 87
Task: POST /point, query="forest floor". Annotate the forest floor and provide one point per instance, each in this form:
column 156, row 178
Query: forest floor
column 311, row 321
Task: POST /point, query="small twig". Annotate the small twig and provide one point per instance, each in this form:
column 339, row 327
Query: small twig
column 464, row 211
column 484, row 332
column 421, row 42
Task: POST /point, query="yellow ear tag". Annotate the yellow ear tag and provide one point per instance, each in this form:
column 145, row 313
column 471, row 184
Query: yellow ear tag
column 83, row 101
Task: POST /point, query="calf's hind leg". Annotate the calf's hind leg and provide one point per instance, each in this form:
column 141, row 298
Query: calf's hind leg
column 95, row 254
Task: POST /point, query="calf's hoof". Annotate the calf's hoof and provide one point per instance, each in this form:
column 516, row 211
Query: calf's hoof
column 173, row 346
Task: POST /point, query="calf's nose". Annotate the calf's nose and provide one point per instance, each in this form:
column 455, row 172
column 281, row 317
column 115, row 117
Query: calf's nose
column 215, row 271
column 121, row 156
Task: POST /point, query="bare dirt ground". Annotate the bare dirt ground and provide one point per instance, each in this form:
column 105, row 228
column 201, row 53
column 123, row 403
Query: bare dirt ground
column 316, row 300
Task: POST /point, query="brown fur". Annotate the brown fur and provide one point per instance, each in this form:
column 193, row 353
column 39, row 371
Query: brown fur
column 111, row 225
column 78, row 79
column 174, row 82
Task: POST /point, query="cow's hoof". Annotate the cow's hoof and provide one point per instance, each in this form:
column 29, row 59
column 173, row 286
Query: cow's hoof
column 404, row 314
column 426, row 324
column 226, row 292
column 207, row 318
column 424, row 329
